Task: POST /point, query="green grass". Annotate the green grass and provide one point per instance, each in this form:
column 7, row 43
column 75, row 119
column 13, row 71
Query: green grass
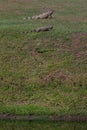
column 43, row 73
column 37, row 125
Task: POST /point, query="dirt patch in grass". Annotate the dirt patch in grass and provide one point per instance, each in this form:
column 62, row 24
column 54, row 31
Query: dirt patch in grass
column 79, row 44
column 58, row 76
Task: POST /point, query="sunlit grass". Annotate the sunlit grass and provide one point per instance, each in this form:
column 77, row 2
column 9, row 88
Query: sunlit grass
column 43, row 73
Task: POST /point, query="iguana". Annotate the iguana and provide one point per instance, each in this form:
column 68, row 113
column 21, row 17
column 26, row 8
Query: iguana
column 45, row 15
column 46, row 28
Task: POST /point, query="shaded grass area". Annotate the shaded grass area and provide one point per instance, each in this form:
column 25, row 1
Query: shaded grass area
column 37, row 125
column 43, row 73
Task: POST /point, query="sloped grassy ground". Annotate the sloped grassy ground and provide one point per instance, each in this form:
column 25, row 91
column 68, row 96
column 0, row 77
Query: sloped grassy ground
column 46, row 72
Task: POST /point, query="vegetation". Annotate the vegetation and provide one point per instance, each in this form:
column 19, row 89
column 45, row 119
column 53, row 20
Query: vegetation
column 38, row 125
column 46, row 72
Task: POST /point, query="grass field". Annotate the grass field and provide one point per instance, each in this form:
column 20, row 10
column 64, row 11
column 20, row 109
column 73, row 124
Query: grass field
column 46, row 72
